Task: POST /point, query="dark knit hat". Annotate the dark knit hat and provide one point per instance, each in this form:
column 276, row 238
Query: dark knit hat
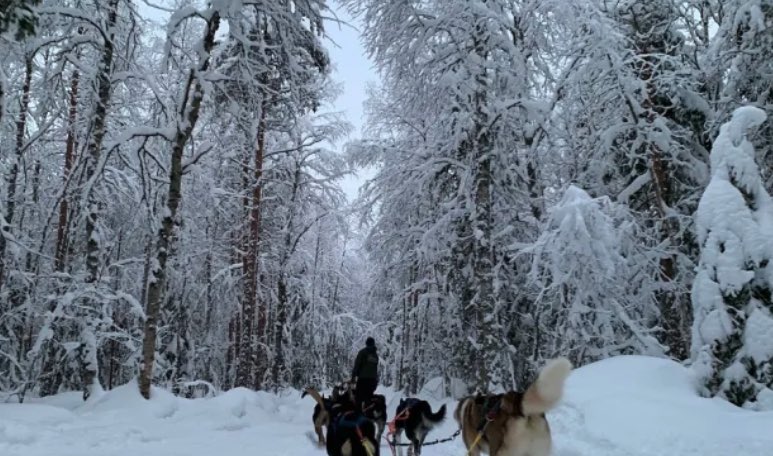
column 369, row 342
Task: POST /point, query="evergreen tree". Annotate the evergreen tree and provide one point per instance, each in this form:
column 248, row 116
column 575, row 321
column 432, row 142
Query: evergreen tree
column 732, row 291
column 595, row 299
column 636, row 116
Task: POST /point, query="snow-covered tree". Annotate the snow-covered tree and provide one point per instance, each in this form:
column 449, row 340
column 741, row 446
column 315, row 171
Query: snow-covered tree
column 171, row 181
column 277, row 69
column 457, row 130
column 633, row 121
column 18, row 17
column 739, row 65
column 732, row 351
column 596, row 299
column 112, row 166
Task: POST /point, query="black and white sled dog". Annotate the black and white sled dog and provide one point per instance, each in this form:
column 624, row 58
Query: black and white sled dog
column 416, row 418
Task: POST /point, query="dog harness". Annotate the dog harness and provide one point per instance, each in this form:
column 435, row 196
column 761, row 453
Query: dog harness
column 402, row 415
column 346, row 421
column 491, row 406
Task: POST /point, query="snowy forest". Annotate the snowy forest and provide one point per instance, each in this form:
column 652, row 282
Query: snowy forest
column 580, row 178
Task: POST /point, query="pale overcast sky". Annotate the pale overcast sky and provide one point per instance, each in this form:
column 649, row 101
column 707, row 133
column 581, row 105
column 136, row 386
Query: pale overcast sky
column 355, row 71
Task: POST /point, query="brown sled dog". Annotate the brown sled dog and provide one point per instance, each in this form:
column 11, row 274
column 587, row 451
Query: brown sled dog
column 515, row 423
column 321, row 417
column 342, row 392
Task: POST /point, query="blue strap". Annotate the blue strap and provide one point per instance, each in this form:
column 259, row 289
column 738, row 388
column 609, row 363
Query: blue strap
column 345, row 421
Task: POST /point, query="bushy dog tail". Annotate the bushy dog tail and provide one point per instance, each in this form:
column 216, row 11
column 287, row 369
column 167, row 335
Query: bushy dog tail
column 315, row 394
column 546, row 392
column 431, row 419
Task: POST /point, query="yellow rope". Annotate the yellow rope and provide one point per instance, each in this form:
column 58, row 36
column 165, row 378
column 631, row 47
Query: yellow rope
column 478, row 437
column 475, row 442
column 368, row 447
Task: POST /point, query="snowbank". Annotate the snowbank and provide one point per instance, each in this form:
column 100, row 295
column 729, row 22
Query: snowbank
column 649, row 406
column 622, row 406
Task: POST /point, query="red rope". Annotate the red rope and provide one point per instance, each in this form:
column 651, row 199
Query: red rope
column 392, row 428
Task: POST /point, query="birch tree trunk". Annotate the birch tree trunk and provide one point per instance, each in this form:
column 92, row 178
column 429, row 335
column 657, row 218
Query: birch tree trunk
column 88, row 349
column 188, row 115
column 94, row 148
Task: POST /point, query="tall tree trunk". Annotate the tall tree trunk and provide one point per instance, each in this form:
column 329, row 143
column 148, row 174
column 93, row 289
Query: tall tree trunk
column 311, row 342
column 230, row 354
column 211, row 373
column 250, row 312
column 535, row 192
column 413, row 379
column 94, row 149
column 334, row 300
column 332, row 362
column 62, row 229
column 483, row 274
column 188, row 114
column 13, row 174
column 674, row 311
column 88, row 350
column 17, row 293
column 4, row 225
column 482, row 229
column 400, row 381
column 259, row 354
column 2, row 98
column 280, row 319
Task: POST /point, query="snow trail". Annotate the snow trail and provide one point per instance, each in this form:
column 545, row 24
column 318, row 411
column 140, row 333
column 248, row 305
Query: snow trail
column 623, row 406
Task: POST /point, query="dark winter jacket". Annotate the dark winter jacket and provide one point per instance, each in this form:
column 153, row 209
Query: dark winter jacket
column 366, row 364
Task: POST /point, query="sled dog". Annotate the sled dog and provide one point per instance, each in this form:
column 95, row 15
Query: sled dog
column 349, row 432
column 417, row 420
column 515, row 423
column 375, row 409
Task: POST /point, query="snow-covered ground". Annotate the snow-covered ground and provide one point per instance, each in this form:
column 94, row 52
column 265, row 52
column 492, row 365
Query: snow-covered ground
column 622, row 406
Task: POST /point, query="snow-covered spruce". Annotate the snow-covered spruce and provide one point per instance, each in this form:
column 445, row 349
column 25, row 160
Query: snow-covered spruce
column 733, row 328
column 588, row 265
